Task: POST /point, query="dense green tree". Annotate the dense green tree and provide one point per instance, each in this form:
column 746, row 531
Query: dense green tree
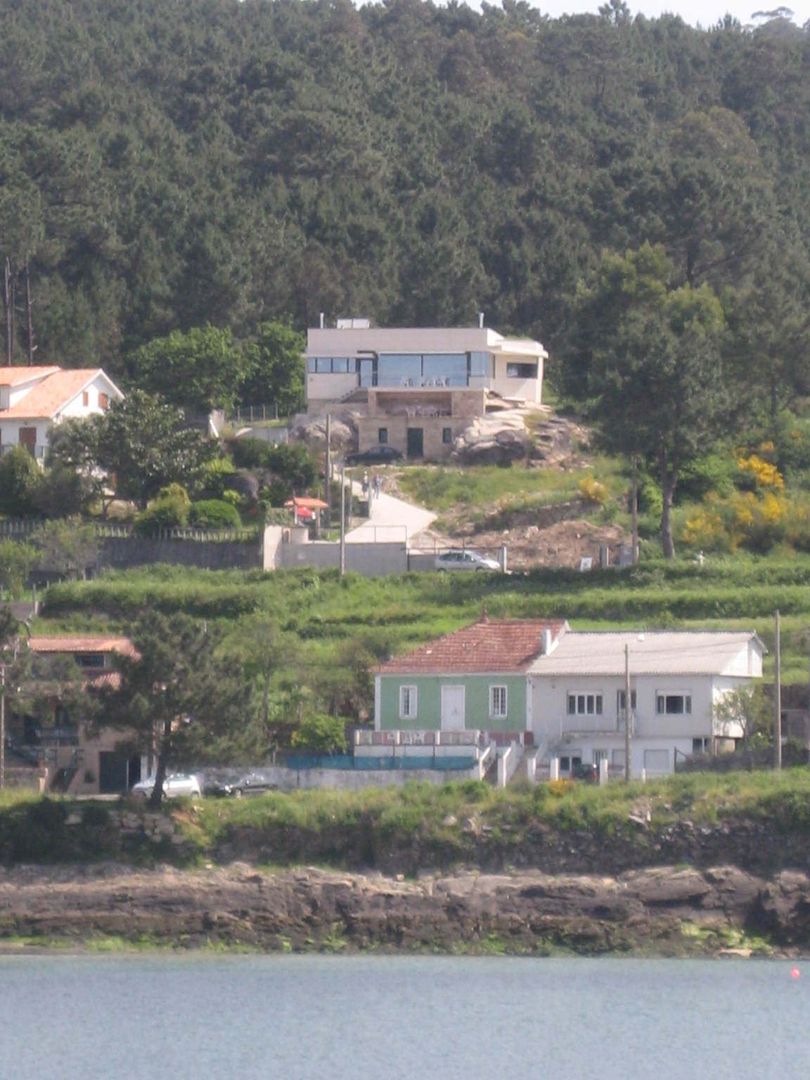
column 275, row 369
column 141, row 443
column 68, row 546
column 175, row 698
column 199, row 370
column 16, row 562
column 652, row 360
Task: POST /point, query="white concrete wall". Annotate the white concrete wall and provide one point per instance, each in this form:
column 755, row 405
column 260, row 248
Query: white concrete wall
column 368, row 559
column 328, row 387
column 76, row 407
column 580, row 736
column 354, row 779
column 550, row 718
column 10, row 431
column 332, row 342
column 527, row 389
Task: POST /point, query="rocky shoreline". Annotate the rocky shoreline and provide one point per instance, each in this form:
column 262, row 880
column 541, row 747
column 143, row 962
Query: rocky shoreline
column 665, row 910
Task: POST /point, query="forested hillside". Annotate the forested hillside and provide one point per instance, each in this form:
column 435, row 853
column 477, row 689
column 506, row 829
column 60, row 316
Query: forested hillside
column 167, row 164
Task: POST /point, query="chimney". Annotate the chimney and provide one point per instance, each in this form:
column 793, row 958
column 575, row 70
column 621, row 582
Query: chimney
column 545, row 641
column 480, row 320
column 322, row 320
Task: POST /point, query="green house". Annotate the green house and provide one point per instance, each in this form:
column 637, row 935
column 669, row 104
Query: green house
column 472, row 679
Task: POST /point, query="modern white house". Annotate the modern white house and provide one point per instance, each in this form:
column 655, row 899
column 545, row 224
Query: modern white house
column 34, row 399
column 420, row 386
column 539, row 683
column 577, row 695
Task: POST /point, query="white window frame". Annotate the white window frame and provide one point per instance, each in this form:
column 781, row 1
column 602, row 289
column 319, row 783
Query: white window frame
column 495, row 692
column 585, row 703
column 662, row 695
column 408, row 702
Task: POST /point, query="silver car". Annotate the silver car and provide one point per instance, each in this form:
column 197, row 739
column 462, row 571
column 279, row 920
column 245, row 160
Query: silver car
column 461, row 559
column 175, row 785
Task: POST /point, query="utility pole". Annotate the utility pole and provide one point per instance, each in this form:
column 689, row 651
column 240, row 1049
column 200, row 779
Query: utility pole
column 342, row 518
column 634, row 510
column 2, row 726
column 627, row 714
column 777, row 696
column 327, row 488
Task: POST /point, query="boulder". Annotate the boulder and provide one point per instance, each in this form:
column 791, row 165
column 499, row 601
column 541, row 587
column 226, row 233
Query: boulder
column 494, row 439
column 312, row 431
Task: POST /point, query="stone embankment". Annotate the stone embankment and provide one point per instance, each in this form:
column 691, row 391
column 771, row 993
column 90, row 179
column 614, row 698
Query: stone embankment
column 664, row 910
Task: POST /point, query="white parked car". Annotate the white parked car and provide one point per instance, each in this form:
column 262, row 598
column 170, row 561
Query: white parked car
column 174, row 786
column 461, row 559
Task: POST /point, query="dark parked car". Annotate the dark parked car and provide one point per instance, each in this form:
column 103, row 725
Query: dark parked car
column 236, row 785
column 375, row 455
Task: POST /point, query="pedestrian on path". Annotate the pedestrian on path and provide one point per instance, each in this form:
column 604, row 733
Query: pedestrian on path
column 377, row 485
column 365, row 484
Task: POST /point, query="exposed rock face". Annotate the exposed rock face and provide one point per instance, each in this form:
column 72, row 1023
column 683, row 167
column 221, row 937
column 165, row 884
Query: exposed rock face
column 494, row 439
column 312, row 430
column 528, row 912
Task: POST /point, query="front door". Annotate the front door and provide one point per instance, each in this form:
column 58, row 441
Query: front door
column 416, row 442
column 452, row 708
column 28, row 439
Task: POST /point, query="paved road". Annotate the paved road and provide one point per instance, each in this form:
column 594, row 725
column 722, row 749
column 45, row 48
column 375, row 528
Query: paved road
column 391, row 519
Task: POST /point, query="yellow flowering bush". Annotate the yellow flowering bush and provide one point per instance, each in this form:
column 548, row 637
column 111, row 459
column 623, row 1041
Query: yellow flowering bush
column 761, row 473
column 592, row 490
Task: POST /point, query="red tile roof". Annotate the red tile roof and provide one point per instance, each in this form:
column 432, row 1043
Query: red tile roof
column 80, row 644
column 53, row 393
column 14, row 376
column 487, row 646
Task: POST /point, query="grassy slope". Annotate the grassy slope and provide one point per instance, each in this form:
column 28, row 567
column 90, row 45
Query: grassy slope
column 388, row 615
column 418, row 825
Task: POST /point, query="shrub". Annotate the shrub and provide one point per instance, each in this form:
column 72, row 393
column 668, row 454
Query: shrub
column 321, row 734
column 591, row 490
column 168, row 510
column 20, row 478
column 214, row 514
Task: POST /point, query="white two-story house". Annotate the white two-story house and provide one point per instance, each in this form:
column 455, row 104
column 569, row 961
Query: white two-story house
column 34, row 399
column 420, row 386
column 577, row 695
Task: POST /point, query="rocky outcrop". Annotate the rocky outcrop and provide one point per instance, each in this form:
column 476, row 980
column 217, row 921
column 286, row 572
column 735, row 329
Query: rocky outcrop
column 494, row 439
column 666, row 910
column 312, row 430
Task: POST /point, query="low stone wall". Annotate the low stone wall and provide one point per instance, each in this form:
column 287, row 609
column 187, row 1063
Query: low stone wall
column 120, row 552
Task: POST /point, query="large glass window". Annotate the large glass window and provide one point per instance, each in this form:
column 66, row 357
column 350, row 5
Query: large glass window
column 337, row 365
column 399, row 369
column 480, row 364
column 445, row 369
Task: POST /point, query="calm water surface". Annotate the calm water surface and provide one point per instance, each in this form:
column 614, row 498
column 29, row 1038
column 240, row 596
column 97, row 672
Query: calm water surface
column 386, row 1018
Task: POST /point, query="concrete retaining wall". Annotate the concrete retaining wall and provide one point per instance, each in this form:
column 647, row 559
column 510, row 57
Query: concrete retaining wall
column 371, row 560
column 120, row 552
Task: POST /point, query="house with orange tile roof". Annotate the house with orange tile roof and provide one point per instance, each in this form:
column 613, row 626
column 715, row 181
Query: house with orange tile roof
column 472, row 679
column 538, row 683
column 55, row 739
column 35, row 398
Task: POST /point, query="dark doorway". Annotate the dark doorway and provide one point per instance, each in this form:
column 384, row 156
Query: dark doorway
column 416, row 442
column 117, row 772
